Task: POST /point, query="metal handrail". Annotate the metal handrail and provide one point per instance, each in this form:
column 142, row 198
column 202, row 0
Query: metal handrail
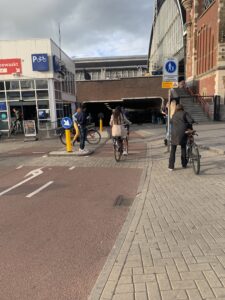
column 201, row 101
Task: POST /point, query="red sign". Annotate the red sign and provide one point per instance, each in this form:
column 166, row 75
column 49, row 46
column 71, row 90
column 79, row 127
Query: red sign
column 10, row 66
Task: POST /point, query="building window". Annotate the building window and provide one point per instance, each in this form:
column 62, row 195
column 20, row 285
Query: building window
column 2, row 86
column 41, row 84
column 12, row 85
column 207, row 3
column 2, row 95
column 27, row 84
column 28, row 95
column 42, row 94
column 13, row 95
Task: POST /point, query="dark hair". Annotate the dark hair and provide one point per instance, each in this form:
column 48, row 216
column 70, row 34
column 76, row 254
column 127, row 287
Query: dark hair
column 179, row 107
column 117, row 115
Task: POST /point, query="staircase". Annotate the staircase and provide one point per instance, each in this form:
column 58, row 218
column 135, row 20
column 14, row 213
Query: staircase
column 193, row 108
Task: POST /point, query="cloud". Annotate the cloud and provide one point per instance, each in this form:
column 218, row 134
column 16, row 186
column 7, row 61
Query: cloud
column 88, row 27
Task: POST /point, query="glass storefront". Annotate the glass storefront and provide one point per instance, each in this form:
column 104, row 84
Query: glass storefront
column 32, row 99
column 29, row 97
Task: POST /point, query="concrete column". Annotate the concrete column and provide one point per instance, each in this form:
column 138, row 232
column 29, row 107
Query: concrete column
column 52, row 103
column 187, row 4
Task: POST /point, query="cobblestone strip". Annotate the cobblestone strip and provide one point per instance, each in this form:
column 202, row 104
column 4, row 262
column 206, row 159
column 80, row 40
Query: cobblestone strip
column 108, row 280
column 175, row 247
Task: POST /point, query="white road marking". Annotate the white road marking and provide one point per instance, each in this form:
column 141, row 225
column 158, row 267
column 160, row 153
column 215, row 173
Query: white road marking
column 19, row 167
column 38, row 152
column 33, row 173
column 40, row 189
column 72, row 168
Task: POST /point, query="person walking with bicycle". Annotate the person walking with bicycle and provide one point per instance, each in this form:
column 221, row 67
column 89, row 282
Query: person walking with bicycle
column 181, row 121
column 117, row 122
column 82, row 119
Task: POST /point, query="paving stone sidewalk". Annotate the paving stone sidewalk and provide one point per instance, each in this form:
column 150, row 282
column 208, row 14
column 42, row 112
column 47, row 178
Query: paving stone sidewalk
column 172, row 245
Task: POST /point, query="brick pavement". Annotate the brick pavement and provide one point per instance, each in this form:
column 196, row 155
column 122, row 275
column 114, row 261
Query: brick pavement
column 172, row 245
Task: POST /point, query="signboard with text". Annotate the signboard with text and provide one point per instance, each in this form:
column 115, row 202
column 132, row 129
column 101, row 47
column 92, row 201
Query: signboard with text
column 10, row 66
column 40, row 62
column 169, row 85
column 29, row 128
column 170, row 73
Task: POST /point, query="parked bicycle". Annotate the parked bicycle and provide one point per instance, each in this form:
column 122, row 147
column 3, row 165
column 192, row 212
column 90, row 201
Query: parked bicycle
column 192, row 151
column 93, row 136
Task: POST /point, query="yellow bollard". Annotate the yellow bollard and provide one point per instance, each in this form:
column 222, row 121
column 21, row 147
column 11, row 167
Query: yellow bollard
column 68, row 141
column 100, row 125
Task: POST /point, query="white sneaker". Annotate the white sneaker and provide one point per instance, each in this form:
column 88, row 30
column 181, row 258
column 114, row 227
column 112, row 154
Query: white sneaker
column 125, row 152
column 170, row 169
column 83, row 151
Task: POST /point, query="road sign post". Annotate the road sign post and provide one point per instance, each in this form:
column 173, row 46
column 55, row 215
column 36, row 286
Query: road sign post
column 66, row 124
column 170, row 73
column 168, row 122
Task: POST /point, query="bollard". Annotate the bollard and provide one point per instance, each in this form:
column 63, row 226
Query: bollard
column 101, row 125
column 68, row 140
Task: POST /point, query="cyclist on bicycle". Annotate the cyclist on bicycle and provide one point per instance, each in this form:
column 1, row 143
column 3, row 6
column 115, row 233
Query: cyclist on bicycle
column 181, row 121
column 117, row 122
column 18, row 119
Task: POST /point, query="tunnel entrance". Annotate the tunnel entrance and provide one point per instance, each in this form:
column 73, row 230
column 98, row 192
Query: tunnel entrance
column 138, row 110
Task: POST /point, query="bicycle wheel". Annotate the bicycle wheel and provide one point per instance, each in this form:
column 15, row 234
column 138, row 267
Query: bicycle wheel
column 188, row 153
column 126, row 144
column 195, row 158
column 118, row 149
column 93, row 136
column 13, row 130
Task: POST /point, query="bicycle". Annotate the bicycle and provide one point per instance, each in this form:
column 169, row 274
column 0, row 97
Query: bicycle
column 120, row 144
column 93, row 136
column 16, row 127
column 192, row 152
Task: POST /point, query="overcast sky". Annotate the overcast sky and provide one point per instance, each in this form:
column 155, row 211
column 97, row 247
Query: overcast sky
column 88, row 27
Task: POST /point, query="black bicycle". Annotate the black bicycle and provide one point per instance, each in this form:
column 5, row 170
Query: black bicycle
column 192, row 151
column 16, row 127
column 93, row 136
column 120, row 146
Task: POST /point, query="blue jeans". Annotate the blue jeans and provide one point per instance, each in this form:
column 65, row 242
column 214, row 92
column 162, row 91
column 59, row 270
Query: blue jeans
column 83, row 133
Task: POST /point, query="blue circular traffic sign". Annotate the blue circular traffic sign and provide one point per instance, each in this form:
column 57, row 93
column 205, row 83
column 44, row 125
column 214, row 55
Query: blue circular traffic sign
column 171, row 66
column 66, row 123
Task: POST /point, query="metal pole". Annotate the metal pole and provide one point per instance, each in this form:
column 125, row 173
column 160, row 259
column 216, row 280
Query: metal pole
column 168, row 121
column 22, row 121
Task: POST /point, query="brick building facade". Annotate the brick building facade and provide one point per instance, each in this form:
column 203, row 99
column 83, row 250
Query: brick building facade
column 205, row 46
column 124, row 88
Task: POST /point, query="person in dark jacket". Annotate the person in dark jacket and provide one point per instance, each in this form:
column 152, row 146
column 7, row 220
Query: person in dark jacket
column 81, row 118
column 181, row 121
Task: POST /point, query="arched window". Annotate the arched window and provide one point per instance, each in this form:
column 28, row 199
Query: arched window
column 207, row 3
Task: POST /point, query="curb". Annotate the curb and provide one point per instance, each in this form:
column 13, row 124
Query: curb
column 125, row 235
column 212, row 149
column 75, row 153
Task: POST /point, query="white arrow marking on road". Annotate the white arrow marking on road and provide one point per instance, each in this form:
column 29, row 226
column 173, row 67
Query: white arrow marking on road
column 32, row 175
column 20, row 167
column 40, row 189
column 72, row 168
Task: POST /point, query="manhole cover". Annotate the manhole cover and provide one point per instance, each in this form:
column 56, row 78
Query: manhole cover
column 122, row 201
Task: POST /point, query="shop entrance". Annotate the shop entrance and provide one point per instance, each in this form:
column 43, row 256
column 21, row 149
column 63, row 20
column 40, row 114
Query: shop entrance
column 28, row 112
